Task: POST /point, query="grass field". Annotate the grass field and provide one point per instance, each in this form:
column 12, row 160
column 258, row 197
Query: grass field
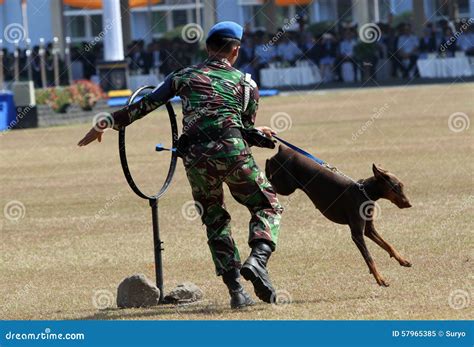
column 81, row 230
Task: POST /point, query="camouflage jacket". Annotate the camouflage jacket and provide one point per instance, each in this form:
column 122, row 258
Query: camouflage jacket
column 213, row 97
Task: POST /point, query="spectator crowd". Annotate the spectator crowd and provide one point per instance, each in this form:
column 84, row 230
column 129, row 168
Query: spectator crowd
column 329, row 50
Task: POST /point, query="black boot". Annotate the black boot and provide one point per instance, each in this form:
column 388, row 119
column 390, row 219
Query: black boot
column 254, row 270
column 239, row 298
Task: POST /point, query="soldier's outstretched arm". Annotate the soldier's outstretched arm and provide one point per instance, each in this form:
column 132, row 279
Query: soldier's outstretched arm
column 127, row 115
column 158, row 97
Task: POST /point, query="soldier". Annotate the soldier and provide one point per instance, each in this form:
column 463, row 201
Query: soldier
column 219, row 105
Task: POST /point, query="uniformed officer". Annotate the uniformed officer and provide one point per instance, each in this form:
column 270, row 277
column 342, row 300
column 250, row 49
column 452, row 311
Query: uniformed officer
column 219, row 106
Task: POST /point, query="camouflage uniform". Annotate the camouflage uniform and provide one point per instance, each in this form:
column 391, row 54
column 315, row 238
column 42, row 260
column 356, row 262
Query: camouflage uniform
column 212, row 96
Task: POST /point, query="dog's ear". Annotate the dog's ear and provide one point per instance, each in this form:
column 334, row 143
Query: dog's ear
column 280, row 148
column 378, row 171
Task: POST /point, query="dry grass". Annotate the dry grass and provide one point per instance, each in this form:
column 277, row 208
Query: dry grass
column 56, row 259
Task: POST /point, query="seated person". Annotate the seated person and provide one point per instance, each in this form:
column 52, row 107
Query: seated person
column 314, row 51
column 465, row 42
column 265, row 51
column 428, row 43
column 407, row 48
column 328, row 56
column 346, row 54
column 287, row 50
column 264, row 54
column 448, row 45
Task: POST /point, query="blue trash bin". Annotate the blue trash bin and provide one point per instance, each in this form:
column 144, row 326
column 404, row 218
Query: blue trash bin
column 7, row 111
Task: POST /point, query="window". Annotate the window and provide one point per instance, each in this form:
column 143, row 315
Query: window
column 258, row 16
column 385, row 9
column 159, row 22
column 464, row 8
column 448, row 8
column 83, row 25
column 180, row 18
column 76, row 26
column 344, row 10
column 282, row 15
column 96, row 24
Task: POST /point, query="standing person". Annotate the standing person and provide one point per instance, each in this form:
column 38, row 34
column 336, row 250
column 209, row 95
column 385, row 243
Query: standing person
column 219, row 103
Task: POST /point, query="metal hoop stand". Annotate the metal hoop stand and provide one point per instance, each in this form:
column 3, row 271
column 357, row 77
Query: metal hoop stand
column 153, row 199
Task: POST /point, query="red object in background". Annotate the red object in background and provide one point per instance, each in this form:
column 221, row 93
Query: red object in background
column 292, row 2
column 95, row 4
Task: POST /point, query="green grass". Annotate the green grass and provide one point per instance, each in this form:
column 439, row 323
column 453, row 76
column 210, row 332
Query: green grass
column 84, row 230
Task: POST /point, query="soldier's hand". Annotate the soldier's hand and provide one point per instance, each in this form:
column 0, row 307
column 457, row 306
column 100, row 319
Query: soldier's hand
column 103, row 123
column 269, row 132
column 91, row 136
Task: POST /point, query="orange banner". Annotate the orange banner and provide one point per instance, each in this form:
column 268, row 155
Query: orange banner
column 94, row 4
column 292, row 2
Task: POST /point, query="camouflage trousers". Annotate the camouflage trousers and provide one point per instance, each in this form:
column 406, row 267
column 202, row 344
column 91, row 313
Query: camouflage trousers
column 250, row 187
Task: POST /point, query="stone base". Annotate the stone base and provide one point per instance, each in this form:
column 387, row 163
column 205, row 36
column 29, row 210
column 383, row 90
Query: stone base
column 137, row 291
column 184, row 293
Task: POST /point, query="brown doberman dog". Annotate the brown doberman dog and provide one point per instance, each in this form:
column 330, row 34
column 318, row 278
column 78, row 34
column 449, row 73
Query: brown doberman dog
column 340, row 199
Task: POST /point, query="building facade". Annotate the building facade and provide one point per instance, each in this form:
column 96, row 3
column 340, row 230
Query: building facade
column 45, row 21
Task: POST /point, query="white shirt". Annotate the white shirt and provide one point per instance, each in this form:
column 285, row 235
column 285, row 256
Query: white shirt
column 288, row 51
column 466, row 41
column 346, row 47
column 156, row 58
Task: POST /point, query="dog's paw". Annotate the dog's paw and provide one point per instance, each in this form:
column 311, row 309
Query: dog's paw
column 404, row 262
column 383, row 283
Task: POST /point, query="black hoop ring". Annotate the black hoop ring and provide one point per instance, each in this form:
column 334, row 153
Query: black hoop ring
column 174, row 157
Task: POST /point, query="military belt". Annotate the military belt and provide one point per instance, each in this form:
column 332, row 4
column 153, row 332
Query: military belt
column 204, row 136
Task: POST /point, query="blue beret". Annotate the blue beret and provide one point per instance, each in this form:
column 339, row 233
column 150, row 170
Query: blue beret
column 226, row 29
